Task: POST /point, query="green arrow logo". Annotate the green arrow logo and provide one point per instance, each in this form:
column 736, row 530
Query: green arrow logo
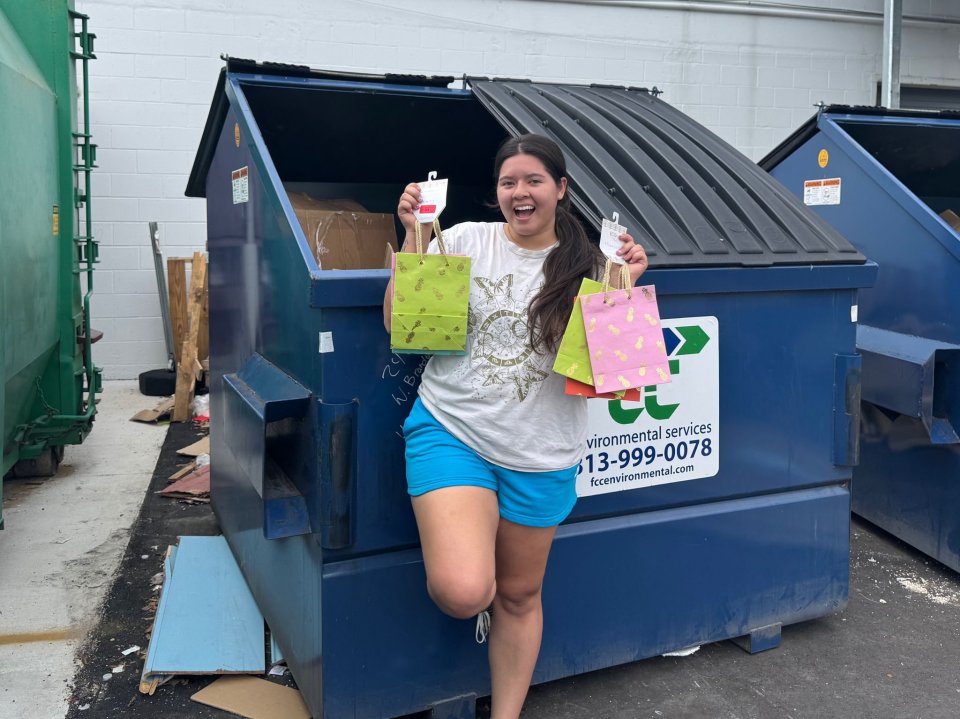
column 694, row 339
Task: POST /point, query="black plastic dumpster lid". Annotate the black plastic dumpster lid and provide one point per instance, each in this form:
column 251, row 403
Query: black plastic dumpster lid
column 686, row 195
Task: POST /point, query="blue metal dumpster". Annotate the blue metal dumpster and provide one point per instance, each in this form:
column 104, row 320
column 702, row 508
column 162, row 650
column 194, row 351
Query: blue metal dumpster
column 896, row 176
column 716, row 508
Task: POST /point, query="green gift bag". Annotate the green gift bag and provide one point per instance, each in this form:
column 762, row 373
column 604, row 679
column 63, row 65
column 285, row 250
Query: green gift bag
column 430, row 298
column 573, row 357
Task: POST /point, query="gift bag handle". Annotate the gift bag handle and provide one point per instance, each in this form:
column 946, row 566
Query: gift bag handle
column 624, row 281
column 418, row 232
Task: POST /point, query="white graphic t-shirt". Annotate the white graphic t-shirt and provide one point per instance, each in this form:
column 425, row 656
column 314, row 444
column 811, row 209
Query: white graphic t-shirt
column 502, row 399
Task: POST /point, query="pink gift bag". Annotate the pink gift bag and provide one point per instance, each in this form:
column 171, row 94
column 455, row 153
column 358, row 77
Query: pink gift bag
column 624, row 336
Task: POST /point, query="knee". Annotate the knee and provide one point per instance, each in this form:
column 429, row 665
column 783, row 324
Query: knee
column 461, row 597
column 518, row 599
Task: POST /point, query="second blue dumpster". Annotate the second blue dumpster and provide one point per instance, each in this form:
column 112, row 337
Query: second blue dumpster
column 718, row 507
column 890, row 182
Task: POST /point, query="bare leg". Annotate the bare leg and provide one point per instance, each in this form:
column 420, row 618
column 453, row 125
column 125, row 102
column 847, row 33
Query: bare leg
column 458, row 534
column 517, row 626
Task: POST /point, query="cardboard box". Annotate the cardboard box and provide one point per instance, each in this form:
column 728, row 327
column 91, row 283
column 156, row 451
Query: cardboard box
column 342, row 234
column 951, row 218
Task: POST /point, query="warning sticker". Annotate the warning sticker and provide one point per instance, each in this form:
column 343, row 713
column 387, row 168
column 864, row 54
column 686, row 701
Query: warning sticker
column 241, row 185
column 821, row 192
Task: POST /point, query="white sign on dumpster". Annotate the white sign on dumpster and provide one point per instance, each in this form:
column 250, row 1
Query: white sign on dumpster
column 673, row 433
column 821, row 192
column 240, row 179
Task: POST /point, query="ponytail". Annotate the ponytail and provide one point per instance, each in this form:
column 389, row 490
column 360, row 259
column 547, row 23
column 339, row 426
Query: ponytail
column 574, row 258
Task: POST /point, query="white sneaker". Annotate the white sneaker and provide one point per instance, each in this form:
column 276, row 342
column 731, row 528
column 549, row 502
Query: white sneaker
column 483, row 626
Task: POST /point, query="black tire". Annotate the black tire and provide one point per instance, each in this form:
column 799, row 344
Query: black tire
column 158, row 382
column 46, row 465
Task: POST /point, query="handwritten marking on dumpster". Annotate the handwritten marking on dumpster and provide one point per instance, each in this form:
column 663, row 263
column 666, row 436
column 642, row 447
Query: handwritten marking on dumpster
column 406, row 377
column 821, row 192
column 241, row 185
column 673, row 433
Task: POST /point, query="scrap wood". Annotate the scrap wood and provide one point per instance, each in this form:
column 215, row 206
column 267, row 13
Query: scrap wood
column 182, row 472
column 189, row 367
column 253, row 698
column 201, row 446
column 194, row 485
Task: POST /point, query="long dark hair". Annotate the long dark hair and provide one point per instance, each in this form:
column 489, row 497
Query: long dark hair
column 574, row 258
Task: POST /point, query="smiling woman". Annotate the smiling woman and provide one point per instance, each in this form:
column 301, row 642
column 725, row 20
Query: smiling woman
column 493, row 442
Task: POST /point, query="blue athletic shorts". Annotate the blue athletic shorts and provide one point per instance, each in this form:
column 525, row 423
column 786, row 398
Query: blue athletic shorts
column 435, row 459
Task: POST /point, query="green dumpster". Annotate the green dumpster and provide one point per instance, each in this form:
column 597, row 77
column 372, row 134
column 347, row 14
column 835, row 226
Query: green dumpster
column 48, row 381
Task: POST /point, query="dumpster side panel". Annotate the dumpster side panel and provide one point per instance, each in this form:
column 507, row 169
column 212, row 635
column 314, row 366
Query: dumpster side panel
column 907, row 486
column 778, row 354
column 28, row 328
column 259, row 304
column 886, row 222
column 44, row 368
column 615, row 591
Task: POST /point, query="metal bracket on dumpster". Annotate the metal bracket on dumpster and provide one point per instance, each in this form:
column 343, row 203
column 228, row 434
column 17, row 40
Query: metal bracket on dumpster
column 337, row 461
column 846, row 411
column 259, row 399
column 915, row 376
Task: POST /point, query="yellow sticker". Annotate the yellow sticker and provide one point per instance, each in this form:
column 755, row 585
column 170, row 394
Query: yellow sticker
column 236, row 134
column 823, row 158
column 56, row 221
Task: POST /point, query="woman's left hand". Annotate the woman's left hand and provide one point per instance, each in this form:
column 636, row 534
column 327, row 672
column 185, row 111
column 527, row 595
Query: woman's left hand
column 634, row 255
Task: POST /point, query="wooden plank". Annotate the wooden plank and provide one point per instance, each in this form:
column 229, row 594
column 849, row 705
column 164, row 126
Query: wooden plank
column 177, row 295
column 203, row 337
column 188, row 366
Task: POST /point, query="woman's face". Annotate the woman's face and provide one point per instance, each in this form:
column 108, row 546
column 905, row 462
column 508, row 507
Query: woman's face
column 528, row 196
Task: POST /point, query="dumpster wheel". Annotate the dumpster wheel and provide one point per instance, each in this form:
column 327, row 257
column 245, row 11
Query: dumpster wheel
column 46, row 465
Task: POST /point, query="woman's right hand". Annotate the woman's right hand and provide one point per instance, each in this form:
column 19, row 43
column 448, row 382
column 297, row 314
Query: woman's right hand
column 409, row 200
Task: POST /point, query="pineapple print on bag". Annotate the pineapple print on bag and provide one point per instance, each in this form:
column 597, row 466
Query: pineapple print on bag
column 632, row 342
column 430, row 301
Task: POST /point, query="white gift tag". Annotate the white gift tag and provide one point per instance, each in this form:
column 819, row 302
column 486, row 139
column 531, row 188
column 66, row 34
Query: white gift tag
column 433, row 198
column 610, row 232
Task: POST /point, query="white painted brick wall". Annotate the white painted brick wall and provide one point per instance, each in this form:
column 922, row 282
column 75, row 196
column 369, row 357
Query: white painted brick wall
column 752, row 80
